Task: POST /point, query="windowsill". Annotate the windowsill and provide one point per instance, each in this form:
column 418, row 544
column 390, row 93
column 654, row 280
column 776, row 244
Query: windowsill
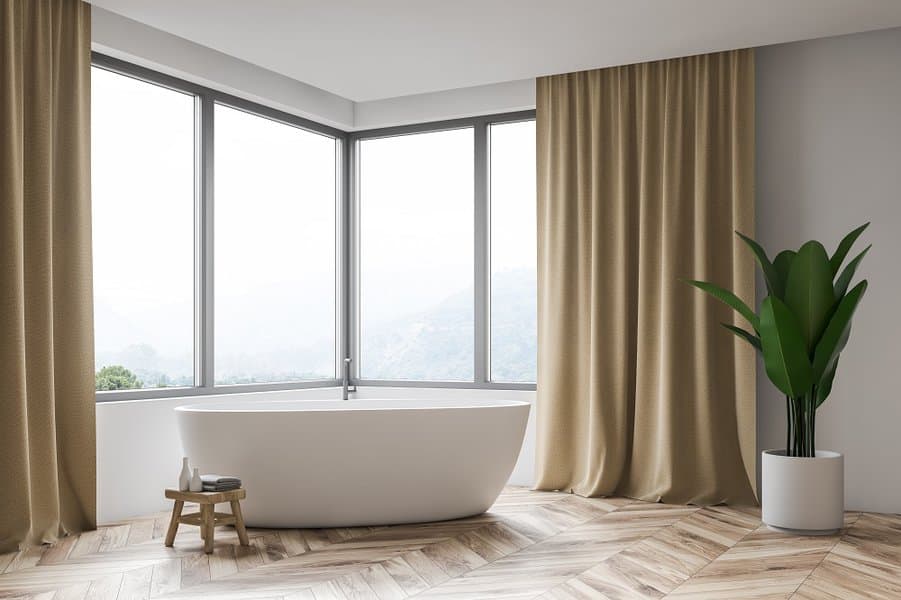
column 201, row 393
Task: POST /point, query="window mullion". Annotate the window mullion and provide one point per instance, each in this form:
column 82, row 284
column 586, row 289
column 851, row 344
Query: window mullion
column 346, row 244
column 204, row 253
column 481, row 254
column 351, row 261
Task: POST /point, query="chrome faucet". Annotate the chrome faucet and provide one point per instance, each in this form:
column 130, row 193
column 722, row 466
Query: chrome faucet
column 345, row 380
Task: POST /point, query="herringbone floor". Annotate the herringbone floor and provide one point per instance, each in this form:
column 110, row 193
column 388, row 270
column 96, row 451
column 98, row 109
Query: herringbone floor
column 530, row 545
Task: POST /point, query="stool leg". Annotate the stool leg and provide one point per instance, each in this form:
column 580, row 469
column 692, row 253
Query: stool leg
column 173, row 523
column 206, row 527
column 239, row 523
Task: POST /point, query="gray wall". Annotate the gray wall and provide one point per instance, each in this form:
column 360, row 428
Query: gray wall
column 829, row 159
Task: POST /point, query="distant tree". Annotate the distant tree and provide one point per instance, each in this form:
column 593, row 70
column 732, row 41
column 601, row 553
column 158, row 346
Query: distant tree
column 116, row 377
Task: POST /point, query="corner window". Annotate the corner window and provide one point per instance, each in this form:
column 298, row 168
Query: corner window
column 447, row 254
column 240, row 248
column 215, row 240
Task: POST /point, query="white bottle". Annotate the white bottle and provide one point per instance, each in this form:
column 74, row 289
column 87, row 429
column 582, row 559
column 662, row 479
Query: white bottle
column 196, row 483
column 184, row 478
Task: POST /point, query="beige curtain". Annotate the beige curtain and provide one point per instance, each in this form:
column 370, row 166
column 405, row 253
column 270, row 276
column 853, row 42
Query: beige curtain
column 47, row 455
column 644, row 171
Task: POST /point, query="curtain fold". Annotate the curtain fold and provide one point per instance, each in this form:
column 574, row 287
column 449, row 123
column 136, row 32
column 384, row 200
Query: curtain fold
column 644, row 172
column 47, row 431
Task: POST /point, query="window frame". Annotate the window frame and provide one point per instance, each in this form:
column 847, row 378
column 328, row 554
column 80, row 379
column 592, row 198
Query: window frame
column 481, row 251
column 339, row 262
column 347, row 223
column 205, row 100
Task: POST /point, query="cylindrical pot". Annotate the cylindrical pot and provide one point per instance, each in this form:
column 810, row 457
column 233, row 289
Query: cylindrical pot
column 803, row 495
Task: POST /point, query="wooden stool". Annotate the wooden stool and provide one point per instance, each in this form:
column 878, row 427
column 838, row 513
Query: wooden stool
column 207, row 518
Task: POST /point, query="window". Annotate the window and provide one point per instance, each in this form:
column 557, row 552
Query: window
column 514, row 236
column 275, row 190
column 215, row 252
column 230, row 254
column 142, row 163
column 416, row 256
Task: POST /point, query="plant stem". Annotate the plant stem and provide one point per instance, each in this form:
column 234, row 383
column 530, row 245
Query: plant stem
column 806, row 426
column 813, row 423
column 800, row 426
column 788, row 425
column 807, row 445
column 802, row 438
column 811, row 415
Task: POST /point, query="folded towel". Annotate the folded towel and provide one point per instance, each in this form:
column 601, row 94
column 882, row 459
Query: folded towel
column 208, row 487
column 219, row 480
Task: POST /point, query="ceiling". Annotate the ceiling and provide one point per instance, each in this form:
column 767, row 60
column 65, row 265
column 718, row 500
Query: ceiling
column 372, row 49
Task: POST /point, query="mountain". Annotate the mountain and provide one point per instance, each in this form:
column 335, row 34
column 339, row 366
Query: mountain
column 436, row 344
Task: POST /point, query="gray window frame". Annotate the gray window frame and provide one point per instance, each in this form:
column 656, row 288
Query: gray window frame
column 347, row 237
column 481, row 251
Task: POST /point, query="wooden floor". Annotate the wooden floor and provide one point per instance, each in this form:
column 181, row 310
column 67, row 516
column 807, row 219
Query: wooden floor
column 530, row 545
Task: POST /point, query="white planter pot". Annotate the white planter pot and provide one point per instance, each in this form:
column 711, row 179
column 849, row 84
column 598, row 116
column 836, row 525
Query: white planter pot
column 803, row 495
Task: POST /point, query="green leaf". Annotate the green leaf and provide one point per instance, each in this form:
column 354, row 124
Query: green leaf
column 783, row 263
column 835, row 337
column 745, row 335
column 729, row 298
column 844, row 280
column 844, row 247
column 824, row 388
column 774, row 283
column 784, row 349
column 808, row 291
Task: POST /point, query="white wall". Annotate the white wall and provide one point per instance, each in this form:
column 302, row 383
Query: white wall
column 450, row 104
column 829, row 159
column 129, row 40
column 139, row 451
column 137, row 43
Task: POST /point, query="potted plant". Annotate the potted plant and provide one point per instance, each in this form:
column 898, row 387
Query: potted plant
column 801, row 329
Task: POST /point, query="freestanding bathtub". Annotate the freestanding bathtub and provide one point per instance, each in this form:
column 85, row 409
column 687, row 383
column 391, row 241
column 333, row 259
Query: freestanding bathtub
column 334, row 463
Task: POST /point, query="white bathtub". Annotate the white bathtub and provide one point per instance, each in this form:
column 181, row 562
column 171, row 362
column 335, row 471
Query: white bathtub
column 312, row 463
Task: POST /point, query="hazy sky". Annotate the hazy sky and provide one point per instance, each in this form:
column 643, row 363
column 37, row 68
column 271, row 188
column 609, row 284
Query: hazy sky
column 274, row 236
column 142, row 156
column 514, row 230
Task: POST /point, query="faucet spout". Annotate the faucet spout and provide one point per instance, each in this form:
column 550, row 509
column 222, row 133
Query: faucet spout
column 345, row 380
